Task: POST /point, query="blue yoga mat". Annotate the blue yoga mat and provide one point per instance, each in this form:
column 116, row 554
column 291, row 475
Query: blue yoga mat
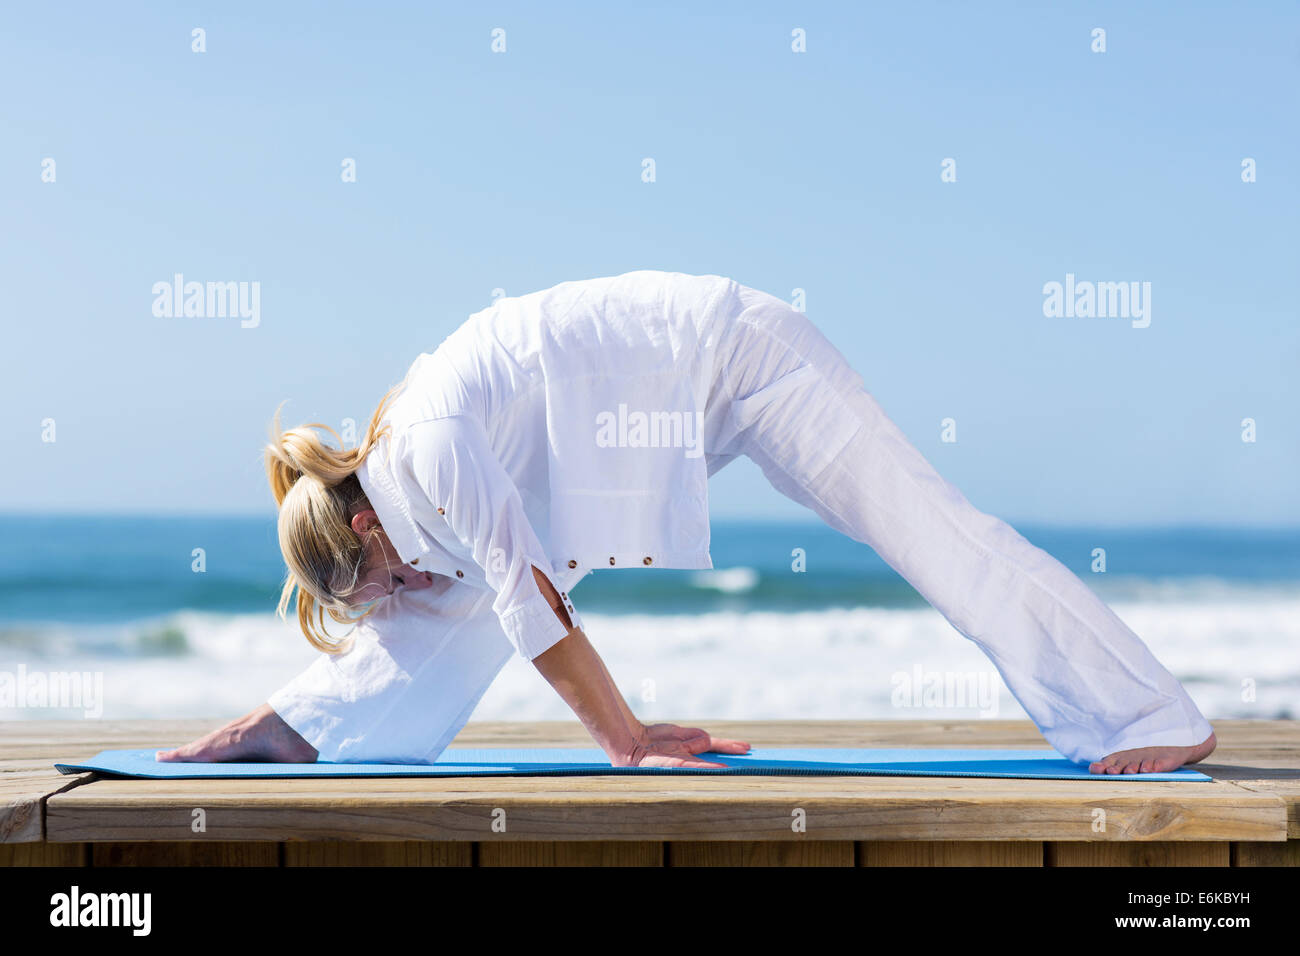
column 1042, row 764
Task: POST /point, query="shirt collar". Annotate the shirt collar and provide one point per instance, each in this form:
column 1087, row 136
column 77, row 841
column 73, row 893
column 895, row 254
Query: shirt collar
column 390, row 505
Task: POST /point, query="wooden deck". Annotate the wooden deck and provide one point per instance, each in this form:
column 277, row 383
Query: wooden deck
column 1247, row 817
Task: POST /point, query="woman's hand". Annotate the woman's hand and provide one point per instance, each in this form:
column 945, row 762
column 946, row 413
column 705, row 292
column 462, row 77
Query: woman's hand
column 577, row 673
column 668, row 745
column 260, row 736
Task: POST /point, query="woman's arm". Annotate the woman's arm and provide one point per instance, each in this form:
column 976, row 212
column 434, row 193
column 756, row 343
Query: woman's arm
column 634, row 726
column 578, row 675
column 418, row 667
column 572, row 667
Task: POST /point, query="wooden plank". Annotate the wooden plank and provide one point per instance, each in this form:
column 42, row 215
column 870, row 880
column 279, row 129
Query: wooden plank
column 68, row 741
column 948, row 853
column 660, row 808
column 28, row 764
column 22, row 799
column 44, row 737
column 1256, row 796
column 1283, row 784
column 1233, row 735
column 749, row 853
column 45, row 854
column 571, row 853
column 1136, row 854
column 1266, row 854
column 214, row 853
column 407, row 853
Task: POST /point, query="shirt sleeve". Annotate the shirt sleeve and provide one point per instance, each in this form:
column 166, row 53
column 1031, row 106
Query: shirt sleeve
column 417, row 667
column 448, row 467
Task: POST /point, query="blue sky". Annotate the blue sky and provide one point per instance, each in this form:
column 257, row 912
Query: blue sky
column 819, row 171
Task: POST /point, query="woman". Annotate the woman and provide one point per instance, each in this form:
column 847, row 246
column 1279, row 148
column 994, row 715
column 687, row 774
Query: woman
column 576, row 428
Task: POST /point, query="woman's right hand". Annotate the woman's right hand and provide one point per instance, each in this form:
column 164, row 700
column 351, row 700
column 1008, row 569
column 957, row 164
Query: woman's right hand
column 668, row 745
column 260, row 736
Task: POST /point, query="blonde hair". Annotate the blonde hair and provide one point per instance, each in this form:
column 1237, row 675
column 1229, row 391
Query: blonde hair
column 316, row 488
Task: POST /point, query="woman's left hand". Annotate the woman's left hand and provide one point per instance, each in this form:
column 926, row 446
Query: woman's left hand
column 259, row 736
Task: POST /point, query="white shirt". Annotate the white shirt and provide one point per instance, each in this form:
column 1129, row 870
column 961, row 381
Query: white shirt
column 563, row 429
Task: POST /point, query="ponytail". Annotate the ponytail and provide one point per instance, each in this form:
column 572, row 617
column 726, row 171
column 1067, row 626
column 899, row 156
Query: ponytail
column 315, row 487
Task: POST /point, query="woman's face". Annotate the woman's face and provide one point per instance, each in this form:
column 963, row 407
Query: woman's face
column 382, row 571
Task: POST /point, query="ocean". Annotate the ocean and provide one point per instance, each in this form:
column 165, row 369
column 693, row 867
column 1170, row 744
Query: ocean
column 795, row 621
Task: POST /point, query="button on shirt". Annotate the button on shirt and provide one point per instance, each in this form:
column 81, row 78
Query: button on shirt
column 565, row 430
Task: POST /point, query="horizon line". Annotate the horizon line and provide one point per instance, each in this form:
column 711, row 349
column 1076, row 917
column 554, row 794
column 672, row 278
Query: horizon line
column 813, row 521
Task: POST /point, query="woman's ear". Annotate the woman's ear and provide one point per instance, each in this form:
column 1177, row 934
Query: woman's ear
column 365, row 519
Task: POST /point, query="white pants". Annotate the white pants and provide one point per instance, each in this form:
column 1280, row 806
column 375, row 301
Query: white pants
column 783, row 396
column 1087, row 681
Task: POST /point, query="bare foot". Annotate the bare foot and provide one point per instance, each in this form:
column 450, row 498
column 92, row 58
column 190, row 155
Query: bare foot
column 259, row 736
column 1153, row 759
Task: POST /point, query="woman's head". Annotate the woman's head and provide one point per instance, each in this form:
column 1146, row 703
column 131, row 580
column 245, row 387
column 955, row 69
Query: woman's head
column 330, row 538
column 381, row 571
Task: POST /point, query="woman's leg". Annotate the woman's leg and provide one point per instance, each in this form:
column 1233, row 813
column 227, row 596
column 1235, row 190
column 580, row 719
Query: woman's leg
column 802, row 414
